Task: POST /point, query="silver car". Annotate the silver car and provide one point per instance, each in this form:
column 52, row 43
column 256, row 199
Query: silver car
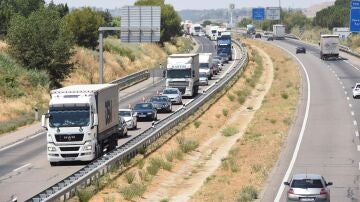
column 356, row 90
column 308, row 187
column 174, row 95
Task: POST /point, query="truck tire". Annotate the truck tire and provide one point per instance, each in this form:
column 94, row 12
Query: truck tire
column 53, row 164
column 99, row 150
column 113, row 142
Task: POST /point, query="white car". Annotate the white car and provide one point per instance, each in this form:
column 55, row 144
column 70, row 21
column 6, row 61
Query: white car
column 356, row 90
column 174, row 95
column 130, row 118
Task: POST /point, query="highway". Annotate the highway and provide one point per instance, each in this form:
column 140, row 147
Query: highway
column 24, row 169
column 324, row 138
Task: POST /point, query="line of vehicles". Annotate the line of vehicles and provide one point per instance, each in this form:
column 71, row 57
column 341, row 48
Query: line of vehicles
column 84, row 121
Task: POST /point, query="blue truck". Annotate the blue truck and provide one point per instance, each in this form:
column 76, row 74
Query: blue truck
column 224, row 47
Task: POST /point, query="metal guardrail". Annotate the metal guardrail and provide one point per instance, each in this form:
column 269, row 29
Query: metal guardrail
column 132, row 79
column 67, row 187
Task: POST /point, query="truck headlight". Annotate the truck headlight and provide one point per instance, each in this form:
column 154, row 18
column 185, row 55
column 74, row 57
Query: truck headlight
column 87, row 147
column 51, row 148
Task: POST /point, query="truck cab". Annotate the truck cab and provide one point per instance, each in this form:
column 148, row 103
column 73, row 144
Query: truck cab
column 224, row 47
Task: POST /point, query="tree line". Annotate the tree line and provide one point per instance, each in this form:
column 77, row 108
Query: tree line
column 42, row 36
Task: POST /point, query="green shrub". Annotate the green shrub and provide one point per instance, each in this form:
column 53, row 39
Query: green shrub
column 225, row 112
column 187, row 146
column 197, row 124
column 85, row 194
column 231, row 97
column 247, row 194
column 284, row 95
column 132, row 191
column 130, row 176
column 229, row 131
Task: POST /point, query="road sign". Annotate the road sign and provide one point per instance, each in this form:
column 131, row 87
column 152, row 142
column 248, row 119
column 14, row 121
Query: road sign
column 273, row 13
column 140, row 24
column 258, row 13
column 355, row 16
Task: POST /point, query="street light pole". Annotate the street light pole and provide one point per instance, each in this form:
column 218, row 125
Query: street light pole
column 101, row 59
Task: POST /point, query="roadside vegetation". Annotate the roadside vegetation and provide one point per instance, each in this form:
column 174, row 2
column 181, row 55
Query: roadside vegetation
column 46, row 46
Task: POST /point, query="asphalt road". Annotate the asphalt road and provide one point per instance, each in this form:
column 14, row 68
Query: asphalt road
column 324, row 138
column 24, row 169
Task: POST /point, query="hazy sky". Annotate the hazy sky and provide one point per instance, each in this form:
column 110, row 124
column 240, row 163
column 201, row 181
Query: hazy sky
column 195, row 4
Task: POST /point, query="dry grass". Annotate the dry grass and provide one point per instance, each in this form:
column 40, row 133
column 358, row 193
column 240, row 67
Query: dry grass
column 255, row 154
column 3, row 46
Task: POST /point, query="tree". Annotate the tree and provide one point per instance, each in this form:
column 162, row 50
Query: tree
column 206, row 22
column 63, row 9
column 170, row 20
column 84, row 24
column 42, row 41
column 8, row 8
column 244, row 22
column 334, row 16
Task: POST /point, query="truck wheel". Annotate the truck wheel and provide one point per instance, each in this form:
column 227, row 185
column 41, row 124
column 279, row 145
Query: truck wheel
column 98, row 150
column 135, row 126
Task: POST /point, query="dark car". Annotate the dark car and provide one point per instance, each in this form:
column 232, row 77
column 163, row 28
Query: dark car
column 122, row 127
column 258, row 35
column 270, row 38
column 300, row 50
column 161, row 103
column 145, row 110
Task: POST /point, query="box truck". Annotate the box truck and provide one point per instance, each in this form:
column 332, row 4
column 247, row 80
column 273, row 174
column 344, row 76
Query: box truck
column 279, row 31
column 81, row 122
column 206, row 64
column 329, row 46
column 195, row 29
column 182, row 72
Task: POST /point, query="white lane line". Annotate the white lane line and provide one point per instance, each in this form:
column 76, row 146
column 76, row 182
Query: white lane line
column 12, row 145
column 343, row 87
column 358, row 147
column 15, row 170
column 345, row 92
column 357, row 133
column 347, row 98
column 352, row 65
column 350, row 105
column 341, row 83
column 355, row 123
column 359, row 165
column 352, row 113
column 303, row 127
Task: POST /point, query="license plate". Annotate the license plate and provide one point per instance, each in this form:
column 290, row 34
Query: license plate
column 70, row 158
column 158, row 107
column 142, row 115
column 307, row 199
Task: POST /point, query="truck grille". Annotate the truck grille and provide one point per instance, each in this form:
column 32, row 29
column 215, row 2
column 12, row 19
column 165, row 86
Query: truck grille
column 69, row 148
column 69, row 137
column 178, row 83
column 69, row 155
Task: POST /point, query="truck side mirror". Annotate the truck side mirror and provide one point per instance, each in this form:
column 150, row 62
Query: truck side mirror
column 43, row 121
column 96, row 120
column 164, row 73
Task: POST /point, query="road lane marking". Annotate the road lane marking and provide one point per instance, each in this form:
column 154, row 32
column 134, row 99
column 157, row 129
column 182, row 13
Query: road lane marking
column 357, row 133
column 359, row 165
column 347, row 98
column 352, row 65
column 26, row 165
column 355, row 123
column 358, row 147
column 341, row 82
column 350, row 105
column 303, row 127
column 352, row 113
column 343, row 87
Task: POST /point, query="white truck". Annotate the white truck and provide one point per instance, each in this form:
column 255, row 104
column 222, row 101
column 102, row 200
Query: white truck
column 182, row 72
column 206, row 64
column 213, row 33
column 195, row 29
column 81, row 122
column 221, row 30
column 279, row 31
column 329, row 46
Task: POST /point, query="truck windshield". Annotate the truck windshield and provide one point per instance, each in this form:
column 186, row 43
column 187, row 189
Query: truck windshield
column 178, row 73
column 204, row 65
column 197, row 29
column 213, row 31
column 69, row 116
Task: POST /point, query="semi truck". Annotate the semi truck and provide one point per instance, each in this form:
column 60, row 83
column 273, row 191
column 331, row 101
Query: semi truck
column 329, row 46
column 279, row 31
column 213, row 33
column 206, row 64
column 182, row 72
column 224, row 47
column 81, row 122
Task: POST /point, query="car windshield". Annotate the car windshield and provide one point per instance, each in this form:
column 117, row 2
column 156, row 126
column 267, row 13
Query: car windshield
column 307, row 183
column 159, row 99
column 204, row 65
column 170, row 91
column 69, row 116
column 143, row 106
column 124, row 113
